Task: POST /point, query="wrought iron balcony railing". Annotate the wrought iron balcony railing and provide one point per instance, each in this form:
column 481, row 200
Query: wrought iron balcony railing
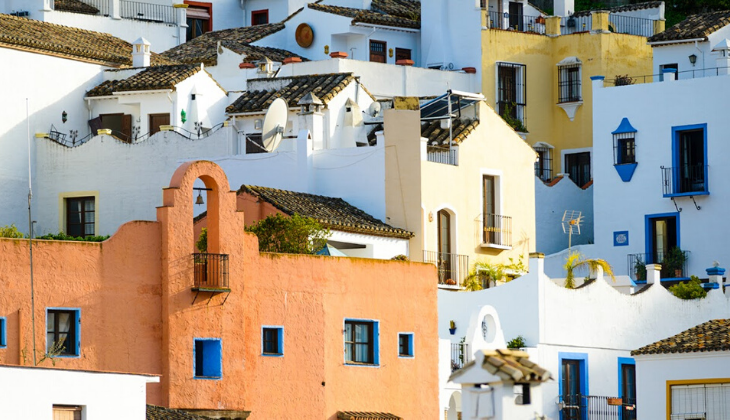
column 459, row 355
column 495, row 229
column 674, row 264
column 158, row 13
column 592, row 407
column 684, row 180
column 452, row 268
column 210, row 271
column 445, row 156
column 517, row 22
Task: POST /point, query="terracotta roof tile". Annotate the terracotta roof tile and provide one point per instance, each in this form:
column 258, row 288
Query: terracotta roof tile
column 331, row 212
column 362, row 415
column 625, row 8
column 379, row 16
column 439, row 137
column 695, row 26
column 74, row 6
column 152, row 78
column 711, row 336
column 510, row 365
column 325, row 86
column 203, row 48
column 73, row 43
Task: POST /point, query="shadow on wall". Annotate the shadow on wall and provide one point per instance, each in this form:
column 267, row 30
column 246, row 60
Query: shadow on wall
column 551, row 202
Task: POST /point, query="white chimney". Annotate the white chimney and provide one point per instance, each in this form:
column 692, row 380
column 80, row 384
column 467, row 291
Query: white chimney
column 141, row 53
column 723, row 58
column 563, row 7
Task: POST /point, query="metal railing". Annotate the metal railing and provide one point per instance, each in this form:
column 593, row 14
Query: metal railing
column 575, row 24
column 103, row 7
column 682, row 75
column 452, row 268
column 684, row 179
column 673, row 267
column 210, row 270
column 459, row 356
column 445, row 156
column 593, row 407
column 630, row 25
column 494, row 229
column 517, row 22
column 159, row 13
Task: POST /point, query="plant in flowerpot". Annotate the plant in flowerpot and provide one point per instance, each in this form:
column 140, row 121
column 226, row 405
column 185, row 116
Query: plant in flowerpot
column 673, row 264
column 452, row 327
column 483, row 276
column 640, row 269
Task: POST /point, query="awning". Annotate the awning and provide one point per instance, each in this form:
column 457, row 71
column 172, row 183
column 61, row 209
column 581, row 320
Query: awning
column 438, row 109
column 363, row 415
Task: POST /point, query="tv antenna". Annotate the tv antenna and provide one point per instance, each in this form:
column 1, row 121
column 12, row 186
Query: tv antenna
column 571, row 224
column 274, row 123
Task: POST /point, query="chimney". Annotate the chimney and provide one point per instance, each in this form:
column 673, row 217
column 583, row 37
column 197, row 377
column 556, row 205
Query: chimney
column 723, row 57
column 141, row 53
column 653, row 273
column 563, row 7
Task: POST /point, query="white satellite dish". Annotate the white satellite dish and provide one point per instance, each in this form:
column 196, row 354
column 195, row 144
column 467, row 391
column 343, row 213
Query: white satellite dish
column 374, row 109
column 274, row 124
column 571, row 224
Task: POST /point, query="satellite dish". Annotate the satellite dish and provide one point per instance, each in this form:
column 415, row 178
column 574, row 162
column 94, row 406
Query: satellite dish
column 374, row 109
column 571, row 223
column 274, row 124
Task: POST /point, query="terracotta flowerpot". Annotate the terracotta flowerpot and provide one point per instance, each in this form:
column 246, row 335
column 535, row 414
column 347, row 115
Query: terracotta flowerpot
column 614, row 401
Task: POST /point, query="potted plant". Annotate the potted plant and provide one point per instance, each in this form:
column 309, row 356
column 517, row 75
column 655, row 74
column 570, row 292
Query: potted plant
column 640, row 268
column 673, row 264
column 452, row 327
column 450, row 282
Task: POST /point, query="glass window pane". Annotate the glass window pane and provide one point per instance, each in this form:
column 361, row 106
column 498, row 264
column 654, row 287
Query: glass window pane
column 348, row 332
column 89, row 229
column 89, row 205
column 362, row 353
column 50, row 321
column 64, row 322
column 73, row 206
column 348, row 353
column 49, row 341
column 89, row 216
column 74, row 218
column 362, row 333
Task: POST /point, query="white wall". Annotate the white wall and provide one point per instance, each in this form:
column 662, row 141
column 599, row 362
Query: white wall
column 453, row 35
column 551, row 202
column 679, row 53
column 37, row 77
column 653, row 372
column 622, row 206
column 31, row 393
column 379, row 247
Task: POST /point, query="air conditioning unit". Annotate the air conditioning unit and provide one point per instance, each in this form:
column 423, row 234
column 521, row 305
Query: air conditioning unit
column 21, row 14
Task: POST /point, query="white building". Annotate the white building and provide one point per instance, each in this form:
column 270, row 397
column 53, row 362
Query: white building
column 45, row 393
column 583, row 336
column 686, row 376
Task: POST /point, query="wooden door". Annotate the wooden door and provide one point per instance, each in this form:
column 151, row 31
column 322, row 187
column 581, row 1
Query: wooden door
column 156, row 120
column 377, row 51
column 444, row 244
column 515, row 16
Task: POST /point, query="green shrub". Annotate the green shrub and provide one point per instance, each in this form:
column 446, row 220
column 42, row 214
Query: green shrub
column 400, row 257
column 10, row 232
column 517, row 343
column 291, row 235
column 202, row 243
column 689, row 290
column 60, row 236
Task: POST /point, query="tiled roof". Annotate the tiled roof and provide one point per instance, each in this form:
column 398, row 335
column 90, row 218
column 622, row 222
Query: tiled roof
column 161, row 413
column 63, row 41
column 203, row 48
column 325, row 86
column 695, row 26
column 331, row 212
column 409, row 9
column 152, row 78
column 625, row 8
column 362, row 415
column 510, row 365
column 711, row 336
column 372, row 16
column 74, row 6
column 438, row 136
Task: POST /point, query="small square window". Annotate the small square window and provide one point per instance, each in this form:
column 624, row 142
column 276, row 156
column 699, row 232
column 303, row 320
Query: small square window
column 405, row 344
column 63, row 331
column 3, row 332
column 208, row 358
column 272, row 341
column 81, row 216
column 259, row 17
column 361, row 342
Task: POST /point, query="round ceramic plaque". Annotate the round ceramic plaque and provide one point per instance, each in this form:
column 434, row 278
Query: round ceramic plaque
column 304, row 35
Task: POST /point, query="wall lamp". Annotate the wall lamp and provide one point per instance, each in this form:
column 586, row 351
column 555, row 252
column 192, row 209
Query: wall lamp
column 693, row 59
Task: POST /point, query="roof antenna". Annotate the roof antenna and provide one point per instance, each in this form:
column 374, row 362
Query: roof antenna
column 571, row 223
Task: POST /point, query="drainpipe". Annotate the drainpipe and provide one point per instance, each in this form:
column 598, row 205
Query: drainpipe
column 703, row 59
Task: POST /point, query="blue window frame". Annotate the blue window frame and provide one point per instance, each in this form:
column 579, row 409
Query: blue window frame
column 662, row 233
column 689, row 172
column 362, row 342
column 573, row 380
column 272, row 340
column 207, row 358
column 405, row 345
column 3, row 332
column 63, row 331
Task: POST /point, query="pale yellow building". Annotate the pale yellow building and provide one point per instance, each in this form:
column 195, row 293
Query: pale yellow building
column 540, row 80
column 472, row 202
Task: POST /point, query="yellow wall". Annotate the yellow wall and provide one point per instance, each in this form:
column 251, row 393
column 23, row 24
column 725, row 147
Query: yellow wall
column 416, row 188
column 605, row 54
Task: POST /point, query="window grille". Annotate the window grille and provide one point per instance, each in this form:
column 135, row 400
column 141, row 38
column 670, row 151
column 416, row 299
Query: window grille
column 700, row 401
column 544, row 163
column 512, row 90
column 569, row 83
column 624, row 148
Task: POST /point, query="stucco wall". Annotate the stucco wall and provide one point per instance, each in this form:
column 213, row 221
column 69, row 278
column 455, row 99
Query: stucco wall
column 32, row 392
column 551, row 202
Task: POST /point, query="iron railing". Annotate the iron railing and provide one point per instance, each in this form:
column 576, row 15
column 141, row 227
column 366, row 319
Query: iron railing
column 593, row 407
column 459, row 355
column 445, row 156
column 452, row 268
column 517, row 22
column 575, row 24
column 672, row 267
column 159, row 13
column 684, row 179
column 210, row 270
column 103, row 7
column 495, row 229
column 682, row 75
column 630, row 25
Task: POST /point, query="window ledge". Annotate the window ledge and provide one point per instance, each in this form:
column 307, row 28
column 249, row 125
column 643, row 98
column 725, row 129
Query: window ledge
column 449, row 287
column 361, row 364
column 214, row 378
column 405, row 356
column 570, row 108
column 67, row 356
column 495, row 246
column 687, row 194
column 273, row 354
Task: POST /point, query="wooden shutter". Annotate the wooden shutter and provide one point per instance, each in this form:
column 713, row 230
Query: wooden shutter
column 127, row 127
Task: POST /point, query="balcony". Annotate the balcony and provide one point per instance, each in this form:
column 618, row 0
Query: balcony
column 452, row 268
column 495, row 231
column 517, row 22
column 684, row 180
column 459, row 356
column 442, row 155
column 210, row 273
column 592, row 407
column 674, row 265
column 126, row 9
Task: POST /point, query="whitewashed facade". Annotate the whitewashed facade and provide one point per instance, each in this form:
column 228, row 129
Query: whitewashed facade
column 551, row 203
column 37, row 392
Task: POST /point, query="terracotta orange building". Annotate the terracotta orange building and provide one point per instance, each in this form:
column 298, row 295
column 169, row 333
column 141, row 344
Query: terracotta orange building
column 280, row 336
